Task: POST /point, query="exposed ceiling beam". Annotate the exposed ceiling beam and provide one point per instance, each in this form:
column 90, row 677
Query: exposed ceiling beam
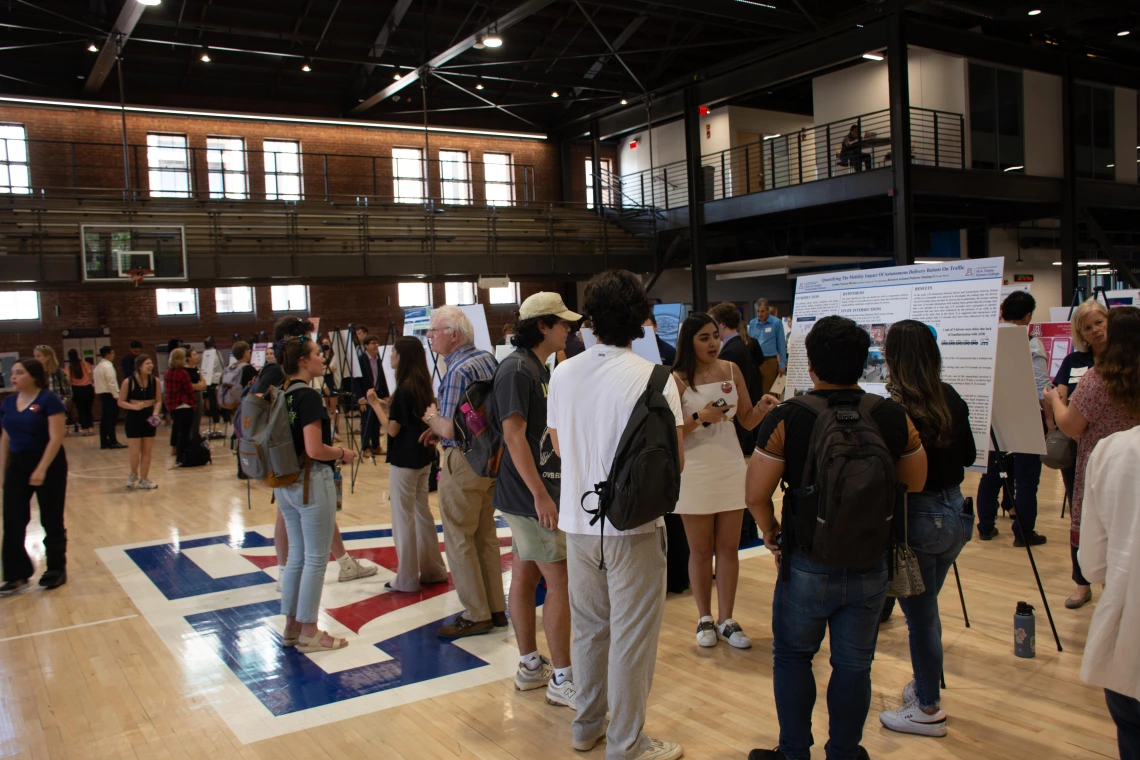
column 125, row 24
column 490, row 103
column 394, row 19
column 619, row 42
column 730, row 9
column 500, row 25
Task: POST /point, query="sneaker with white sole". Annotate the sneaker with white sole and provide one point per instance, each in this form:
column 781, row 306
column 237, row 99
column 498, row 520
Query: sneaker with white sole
column 132, row 479
column 561, row 695
column 909, row 693
column 659, row 750
column 356, row 570
column 706, row 632
column 731, row 632
column 910, row 719
column 146, row 485
column 527, row 679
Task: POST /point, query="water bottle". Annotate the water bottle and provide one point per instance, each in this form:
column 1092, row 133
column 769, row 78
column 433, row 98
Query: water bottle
column 475, row 422
column 339, row 483
column 1024, row 631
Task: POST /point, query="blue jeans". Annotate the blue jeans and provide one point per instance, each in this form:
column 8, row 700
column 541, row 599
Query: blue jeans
column 937, row 529
column 1125, row 712
column 310, row 526
column 814, row 598
column 1026, row 477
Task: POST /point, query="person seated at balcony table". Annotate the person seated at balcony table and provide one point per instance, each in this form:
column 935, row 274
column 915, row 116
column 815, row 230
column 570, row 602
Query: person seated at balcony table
column 850, row 152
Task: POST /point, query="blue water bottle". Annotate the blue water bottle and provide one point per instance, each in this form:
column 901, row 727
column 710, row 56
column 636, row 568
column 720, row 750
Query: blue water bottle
column 1024, row 631
column 338, row 482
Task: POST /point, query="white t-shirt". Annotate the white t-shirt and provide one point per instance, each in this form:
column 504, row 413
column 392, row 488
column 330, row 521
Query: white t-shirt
column 591, row 398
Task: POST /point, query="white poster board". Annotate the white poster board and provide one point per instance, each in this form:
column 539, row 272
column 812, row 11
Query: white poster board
column 959, row 301
column 257, row 355
column 208, row 358
column 342, row 343
column 478, row 319
column 1059, row 313
column 645, row 347
column 1016, row 410
column 1007, row 290
column 1123, row 297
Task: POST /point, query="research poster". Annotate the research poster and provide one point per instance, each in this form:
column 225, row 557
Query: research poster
column 1057, row 338
column 959, row 301
column 1122, row 297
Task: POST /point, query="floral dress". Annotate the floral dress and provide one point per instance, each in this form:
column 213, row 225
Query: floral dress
column 1105, row 417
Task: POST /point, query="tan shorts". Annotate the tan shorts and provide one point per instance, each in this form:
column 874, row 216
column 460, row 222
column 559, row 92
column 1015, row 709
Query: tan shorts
column 534, row 543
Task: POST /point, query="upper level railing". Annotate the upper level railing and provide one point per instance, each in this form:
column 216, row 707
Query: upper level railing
column 49, row 168
column 808, row 155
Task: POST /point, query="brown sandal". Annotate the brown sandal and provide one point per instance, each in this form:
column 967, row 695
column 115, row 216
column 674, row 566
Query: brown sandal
column 309, row 644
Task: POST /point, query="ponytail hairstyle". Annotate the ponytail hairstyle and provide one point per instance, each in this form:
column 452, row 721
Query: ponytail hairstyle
column 1119, row 363
column 412, row 372
column 293, row 350
column 915, row 380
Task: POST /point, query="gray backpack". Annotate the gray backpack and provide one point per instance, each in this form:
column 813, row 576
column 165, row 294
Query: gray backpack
column 266, row 450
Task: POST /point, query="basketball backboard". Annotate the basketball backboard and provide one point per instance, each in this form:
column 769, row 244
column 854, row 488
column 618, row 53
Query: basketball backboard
column 111, row 252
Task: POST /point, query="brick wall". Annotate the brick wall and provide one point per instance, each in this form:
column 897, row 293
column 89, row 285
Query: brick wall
column 131, row 314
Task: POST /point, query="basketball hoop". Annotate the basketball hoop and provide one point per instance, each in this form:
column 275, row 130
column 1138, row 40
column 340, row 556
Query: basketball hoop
column 138, row 275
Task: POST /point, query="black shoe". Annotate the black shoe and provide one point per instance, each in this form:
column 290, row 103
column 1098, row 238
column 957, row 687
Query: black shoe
column 766, row 754
column 53, row 578
column 117, row 445
column 1035, row 539
column 987, row 535
column 12, row 587
column 499, row 619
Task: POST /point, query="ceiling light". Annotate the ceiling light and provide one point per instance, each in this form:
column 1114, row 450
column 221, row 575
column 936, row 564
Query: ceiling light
column 624, row 102
column 478, row 85
column 771, row 137
column 1091, row 55
column 397, row 75
column 872, row 56
column 493, row 40
column 1125, row 33
column 1085, row 263
column 1012, row 168
column 150, row 2
column 1034, row 12
column 205, row 57
column 1110, row 166
column 92, row 47
column 306, row 67
column 554, row 94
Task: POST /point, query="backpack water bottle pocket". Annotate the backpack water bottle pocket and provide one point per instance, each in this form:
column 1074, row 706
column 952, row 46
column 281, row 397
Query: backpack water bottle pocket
column 249, row 454
column 283, row 459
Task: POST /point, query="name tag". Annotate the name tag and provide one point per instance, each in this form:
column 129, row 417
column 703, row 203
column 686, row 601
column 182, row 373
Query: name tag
column 767, row 329
column 1077, row 373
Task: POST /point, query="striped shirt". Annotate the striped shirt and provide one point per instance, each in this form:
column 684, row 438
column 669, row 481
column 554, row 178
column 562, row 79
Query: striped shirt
column 465, row 365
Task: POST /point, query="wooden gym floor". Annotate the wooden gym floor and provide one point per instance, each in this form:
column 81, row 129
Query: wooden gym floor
column 167, row 648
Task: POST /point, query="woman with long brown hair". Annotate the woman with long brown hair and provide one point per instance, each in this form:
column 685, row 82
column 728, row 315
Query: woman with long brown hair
column 140, row 397
column 1106, row 401
column 413, row 527
column 81, row 376
column 937, row 524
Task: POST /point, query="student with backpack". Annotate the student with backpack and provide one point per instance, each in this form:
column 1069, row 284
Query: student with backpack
column 235, row 379
column 938, row 523
column 847, row 459
column 308, row 504
column 616, row 422
column 530, row 483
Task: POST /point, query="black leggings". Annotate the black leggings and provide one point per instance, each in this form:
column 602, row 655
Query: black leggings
column 18, row 511
column 84, row 396
column 110, row 417
column 181, row 422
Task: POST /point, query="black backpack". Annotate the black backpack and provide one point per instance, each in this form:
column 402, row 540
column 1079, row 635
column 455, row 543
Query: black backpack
column 645, row 477
column 479, row 439
column 197, row 451
column 843, row 514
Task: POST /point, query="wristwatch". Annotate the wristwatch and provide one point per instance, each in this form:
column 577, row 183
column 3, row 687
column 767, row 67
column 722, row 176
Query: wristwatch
column 696, row 417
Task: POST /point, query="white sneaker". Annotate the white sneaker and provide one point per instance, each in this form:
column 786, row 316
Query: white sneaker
column 910, row 719
column 706, row 632
column 356, row 570
column 527, row 679
column 132, row 479
column 909, row 693
column 731, row 632
column 561, row 695
column 659, row 750
column 146, row 485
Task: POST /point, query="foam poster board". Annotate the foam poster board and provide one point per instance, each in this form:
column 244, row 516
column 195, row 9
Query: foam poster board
column 959, row 301
column 1016, row 410
column 1123, row 297
column 645, row 347
column 257, row 355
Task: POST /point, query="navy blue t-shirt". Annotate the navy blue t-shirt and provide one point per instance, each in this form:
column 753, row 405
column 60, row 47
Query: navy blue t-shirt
column 28, row 430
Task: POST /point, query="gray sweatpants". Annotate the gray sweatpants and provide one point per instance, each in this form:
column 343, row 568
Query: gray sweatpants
column 616, row 616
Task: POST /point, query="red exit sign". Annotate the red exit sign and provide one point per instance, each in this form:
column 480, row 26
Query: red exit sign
column 1023, row 278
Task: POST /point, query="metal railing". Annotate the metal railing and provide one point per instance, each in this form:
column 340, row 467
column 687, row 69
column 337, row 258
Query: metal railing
column 86, row 169
column 797, row 158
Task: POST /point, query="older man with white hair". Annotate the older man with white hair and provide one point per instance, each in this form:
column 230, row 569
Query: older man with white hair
column 470, row 540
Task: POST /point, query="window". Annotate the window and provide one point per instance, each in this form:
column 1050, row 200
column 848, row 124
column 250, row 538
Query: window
column 1094, row 131
column 459, row 293
column 20, row 305
column 283, row 171
column 14, row 174
column 173, row 302
column 498, row 173
column 997, row 124
column 607, row 183
column 168, row 163
column 454, row 177
column 414, row 294
column 225, row 162
column 290, row 297
column 408, row 175
column 503, row 296
column 233, row 300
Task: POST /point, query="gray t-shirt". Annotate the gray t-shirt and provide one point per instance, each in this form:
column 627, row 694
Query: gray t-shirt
column 521, row 387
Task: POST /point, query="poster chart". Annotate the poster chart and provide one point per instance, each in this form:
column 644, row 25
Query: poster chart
column 1122, row 297
column 669, row 317
column 1057, row 338
column 257, row 355
column 645, row 347
column 7, row 360
column 416, row 323
column 958, row 301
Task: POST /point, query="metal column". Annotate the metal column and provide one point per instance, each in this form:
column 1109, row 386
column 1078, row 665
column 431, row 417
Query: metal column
column 1069, row 216
column 898, row 85
column 696, row 198
column 596, row 166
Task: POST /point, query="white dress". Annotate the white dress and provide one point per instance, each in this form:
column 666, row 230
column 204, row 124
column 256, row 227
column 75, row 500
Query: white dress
column 713, row 478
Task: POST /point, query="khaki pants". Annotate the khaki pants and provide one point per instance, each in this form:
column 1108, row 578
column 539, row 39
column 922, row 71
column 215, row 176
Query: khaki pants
column 769, row 370
column 469, row 536
column 413, row 530
column 616, row 619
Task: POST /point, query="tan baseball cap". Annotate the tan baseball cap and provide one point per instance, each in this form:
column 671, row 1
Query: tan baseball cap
column 546, row 304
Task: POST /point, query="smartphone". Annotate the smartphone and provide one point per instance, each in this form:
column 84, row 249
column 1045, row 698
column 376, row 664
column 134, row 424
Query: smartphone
column 719, row 403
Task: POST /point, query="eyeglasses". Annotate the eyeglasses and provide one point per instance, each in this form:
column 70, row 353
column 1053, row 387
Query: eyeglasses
column 42, row 348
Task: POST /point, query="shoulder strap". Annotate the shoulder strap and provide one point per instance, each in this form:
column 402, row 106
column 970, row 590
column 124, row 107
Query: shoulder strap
column 815, row 404
column 660, row 376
